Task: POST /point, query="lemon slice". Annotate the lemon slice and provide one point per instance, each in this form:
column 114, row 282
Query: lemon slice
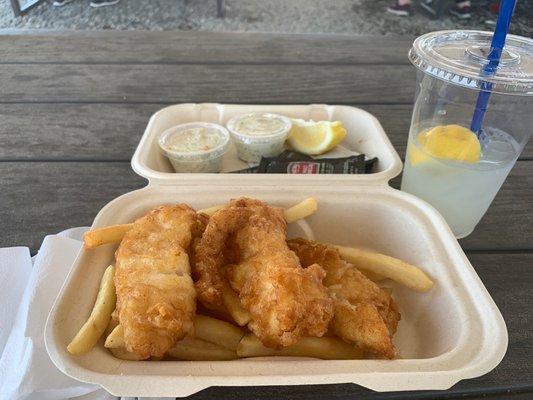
column 449, row 142
column 313, row 138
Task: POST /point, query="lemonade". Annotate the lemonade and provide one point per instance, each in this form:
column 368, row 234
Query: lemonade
column 468, row 125
column 457, row 185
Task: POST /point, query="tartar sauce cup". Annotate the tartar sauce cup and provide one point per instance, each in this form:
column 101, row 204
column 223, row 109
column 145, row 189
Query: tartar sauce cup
column 196, row 147
column 259, row 135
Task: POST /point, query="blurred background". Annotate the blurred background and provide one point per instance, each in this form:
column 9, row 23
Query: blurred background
column 283, row 16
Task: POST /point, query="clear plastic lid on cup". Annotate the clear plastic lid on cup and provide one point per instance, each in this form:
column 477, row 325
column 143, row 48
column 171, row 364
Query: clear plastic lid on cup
column 195, row 147
column 259, row 135
column 458, row 57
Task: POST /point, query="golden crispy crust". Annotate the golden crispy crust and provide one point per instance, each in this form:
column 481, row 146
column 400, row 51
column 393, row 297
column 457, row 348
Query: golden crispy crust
column 285, row 301
column 365, row 314
column 156, row 300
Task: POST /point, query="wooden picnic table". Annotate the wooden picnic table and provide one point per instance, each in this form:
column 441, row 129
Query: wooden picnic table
column 75, row 104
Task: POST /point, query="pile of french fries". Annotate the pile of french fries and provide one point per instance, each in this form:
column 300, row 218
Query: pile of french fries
column 214, row 339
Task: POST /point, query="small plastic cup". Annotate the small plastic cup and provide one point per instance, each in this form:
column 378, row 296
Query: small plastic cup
column 449, row 82
column 200, row 147
column 259, row 135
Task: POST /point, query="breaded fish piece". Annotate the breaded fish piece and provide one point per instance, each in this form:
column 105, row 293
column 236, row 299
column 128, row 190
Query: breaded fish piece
column 365, row 314
column 156, row 300
column 285, row 301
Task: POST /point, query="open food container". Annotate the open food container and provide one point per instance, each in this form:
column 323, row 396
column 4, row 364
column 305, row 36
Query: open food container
column 365, row 135
column 452, row 332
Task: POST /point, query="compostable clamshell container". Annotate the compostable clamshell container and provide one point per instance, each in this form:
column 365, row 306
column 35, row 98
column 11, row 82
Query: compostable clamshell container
column 450, row 333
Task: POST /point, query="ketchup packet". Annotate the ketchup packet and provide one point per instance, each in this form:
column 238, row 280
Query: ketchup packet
column 291, row 162
column 296, row 163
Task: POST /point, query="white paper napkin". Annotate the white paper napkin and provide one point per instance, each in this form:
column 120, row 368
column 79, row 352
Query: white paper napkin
column 26, row 297
column 15, row 269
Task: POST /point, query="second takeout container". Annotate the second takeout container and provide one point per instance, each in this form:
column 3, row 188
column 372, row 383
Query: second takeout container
column 453, row 332
column 365, row 135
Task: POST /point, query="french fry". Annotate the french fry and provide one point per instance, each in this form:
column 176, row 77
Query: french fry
column 206, row 329
column 200, row 350
column 373, row 276
column 326, row 348
column 123, row 354
column 95, row 326
column 218, row 332
column 300, row 210
column 108, row 234
column 233, row 305
column 116, row 338
column 388, row 267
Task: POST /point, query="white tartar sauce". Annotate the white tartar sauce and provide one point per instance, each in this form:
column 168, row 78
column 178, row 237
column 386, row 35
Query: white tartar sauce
column 259, row 125
column 195, row 147
column 259, row 135
column 193, row 140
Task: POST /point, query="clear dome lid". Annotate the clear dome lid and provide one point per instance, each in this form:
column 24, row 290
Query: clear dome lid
column 458, row 57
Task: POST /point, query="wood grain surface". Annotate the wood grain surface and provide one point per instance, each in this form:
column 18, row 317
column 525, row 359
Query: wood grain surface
column 333, row 84
column 199, row 47
column 67, row 131
column 73, row 106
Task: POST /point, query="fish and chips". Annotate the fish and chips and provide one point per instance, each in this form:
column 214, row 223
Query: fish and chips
column 226, row 283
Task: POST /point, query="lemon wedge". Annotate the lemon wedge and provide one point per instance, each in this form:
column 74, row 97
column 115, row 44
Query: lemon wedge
column 449, row 142
column 313, row 138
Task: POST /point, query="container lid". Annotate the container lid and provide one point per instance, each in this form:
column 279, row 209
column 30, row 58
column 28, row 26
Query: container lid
column 458, row 57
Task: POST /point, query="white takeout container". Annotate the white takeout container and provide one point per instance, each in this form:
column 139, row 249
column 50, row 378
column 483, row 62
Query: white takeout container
column 365, row 135
column 453, row 332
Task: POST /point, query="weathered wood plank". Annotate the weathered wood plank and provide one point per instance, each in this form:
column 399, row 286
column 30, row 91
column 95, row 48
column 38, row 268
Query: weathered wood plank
column 39, row 198
column 199, row 47
column 207, row 83
column 67, row 131
column 42, row 198
column 72, row 131
column 350, row 392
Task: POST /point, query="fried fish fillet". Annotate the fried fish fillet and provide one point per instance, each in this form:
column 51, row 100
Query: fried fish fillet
column 365, row 314
column 245, row 243
column 156, row 300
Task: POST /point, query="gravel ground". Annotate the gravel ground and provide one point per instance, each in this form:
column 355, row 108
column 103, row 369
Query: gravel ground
column 290, row 16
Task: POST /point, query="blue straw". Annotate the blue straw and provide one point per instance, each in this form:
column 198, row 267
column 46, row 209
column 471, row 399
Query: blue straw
column 496, row 47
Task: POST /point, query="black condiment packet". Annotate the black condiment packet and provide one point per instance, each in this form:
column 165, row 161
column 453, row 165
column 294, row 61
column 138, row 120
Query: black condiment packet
column 345, row 165
column 286, row 156
column 291, row 162
column 369, row 164
column 251, row 170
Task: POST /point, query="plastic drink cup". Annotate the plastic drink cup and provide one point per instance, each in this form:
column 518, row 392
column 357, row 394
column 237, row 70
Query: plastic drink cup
column 457, row 171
